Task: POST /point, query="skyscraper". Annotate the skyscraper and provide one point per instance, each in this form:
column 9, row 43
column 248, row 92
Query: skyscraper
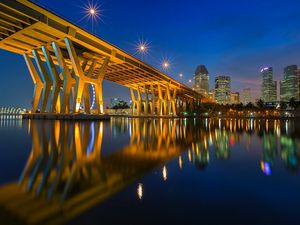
column 235, row 98
column 269, row 86
column 289, row 85
column 246, row 96
column 201, row 79
column 222, row 89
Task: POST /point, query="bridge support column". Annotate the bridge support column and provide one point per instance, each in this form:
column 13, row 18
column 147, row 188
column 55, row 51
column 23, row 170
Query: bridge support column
column 82, row 81
column 68, row 81
column 57, row 81
column 45, row 78
column 98, row 86
column 162, row 101
column 146, row 101
column 38, row 84
column 136, row 102
column 172, row 101
column 153, row 101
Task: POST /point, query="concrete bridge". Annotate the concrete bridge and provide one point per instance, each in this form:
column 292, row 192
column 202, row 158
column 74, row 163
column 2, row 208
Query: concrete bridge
column 70, row 60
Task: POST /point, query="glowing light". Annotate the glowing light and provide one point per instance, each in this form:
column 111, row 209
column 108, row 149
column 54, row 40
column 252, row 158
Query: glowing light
column 180, row 75
column 180, row 162
column 264, row 69
column 189, row 156
column 190, row 81
column 165, row 173
column 265, row 167
column 92, row 12
column 166, row 64
column 140, row 191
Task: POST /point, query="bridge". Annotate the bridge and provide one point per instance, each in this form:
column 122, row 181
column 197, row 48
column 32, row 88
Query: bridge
column 65, row 61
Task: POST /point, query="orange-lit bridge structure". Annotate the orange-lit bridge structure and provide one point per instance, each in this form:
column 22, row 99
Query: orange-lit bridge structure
column 65, row 61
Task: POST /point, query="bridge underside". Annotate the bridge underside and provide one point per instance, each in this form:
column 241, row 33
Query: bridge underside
column 68, row 64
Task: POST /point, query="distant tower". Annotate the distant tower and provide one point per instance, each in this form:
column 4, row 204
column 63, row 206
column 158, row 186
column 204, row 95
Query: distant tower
column 246, row 96
column 269, row 86
column 201, row 79
column 289, row 85
column 223, row 89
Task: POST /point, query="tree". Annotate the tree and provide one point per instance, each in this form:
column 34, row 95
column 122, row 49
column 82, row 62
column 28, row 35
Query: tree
column 293, row 103
column 121, row 105
column 283, row 105
column 260, row 103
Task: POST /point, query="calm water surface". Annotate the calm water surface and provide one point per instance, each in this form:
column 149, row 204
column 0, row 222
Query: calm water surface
column 131, row 171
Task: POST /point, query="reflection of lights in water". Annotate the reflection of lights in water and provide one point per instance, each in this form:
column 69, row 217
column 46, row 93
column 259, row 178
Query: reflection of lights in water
column 287, row 126
column 180, row 162
column 165, row 173
column 92, row 140
column 206, row 123
column 189, row 156
column 265, row 167
column 219, row 123
column 140, row 191
column 251, row 124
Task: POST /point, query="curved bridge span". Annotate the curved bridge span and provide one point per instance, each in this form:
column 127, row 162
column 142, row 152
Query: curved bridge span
column 68, row 60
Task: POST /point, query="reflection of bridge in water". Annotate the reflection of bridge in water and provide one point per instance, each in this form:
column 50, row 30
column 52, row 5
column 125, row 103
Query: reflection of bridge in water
column 67, row 171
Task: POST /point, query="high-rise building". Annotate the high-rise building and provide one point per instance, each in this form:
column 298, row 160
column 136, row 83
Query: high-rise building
column 222, row 89
column 269, row 86
column 289, row 86
column 235, row 98
column 201, row 79
column 246, row 96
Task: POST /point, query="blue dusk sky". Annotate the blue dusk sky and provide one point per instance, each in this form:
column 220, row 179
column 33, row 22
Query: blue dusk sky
column 231, row 37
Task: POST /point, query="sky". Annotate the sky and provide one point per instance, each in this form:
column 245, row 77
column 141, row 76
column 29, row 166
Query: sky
column 233, row 37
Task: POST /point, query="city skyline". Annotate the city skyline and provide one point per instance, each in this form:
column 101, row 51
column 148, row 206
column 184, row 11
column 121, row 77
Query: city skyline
column 241, row 56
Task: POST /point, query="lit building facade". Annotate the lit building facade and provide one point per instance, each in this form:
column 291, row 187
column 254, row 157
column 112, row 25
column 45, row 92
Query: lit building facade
column 235, row 98
column 201, row 80
column 289, row 86
column 223, row 89
column 246, row 96
column 269, row 86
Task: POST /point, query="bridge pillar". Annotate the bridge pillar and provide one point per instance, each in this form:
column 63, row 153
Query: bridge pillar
column 172, row 101
column 68, row 81
column 146, row 101
column 57, row 81
column 154, row 101
column 38, row 84
column 45, row 78
column 162, row 101
column 136, row 102
column 98, row 86
column 82, row 81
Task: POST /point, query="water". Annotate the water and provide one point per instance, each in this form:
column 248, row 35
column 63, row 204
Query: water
column 131, row 171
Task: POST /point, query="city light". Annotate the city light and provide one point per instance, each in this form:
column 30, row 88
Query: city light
column 180, row 75
column 166, row 64
column 92, row 12
column 140, row 191
column 142, row 47
column 164, row 173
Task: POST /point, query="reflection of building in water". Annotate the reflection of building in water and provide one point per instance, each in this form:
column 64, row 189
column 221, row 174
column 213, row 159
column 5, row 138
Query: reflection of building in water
column 269, row 148
column 221, row 144
column 290, row 153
